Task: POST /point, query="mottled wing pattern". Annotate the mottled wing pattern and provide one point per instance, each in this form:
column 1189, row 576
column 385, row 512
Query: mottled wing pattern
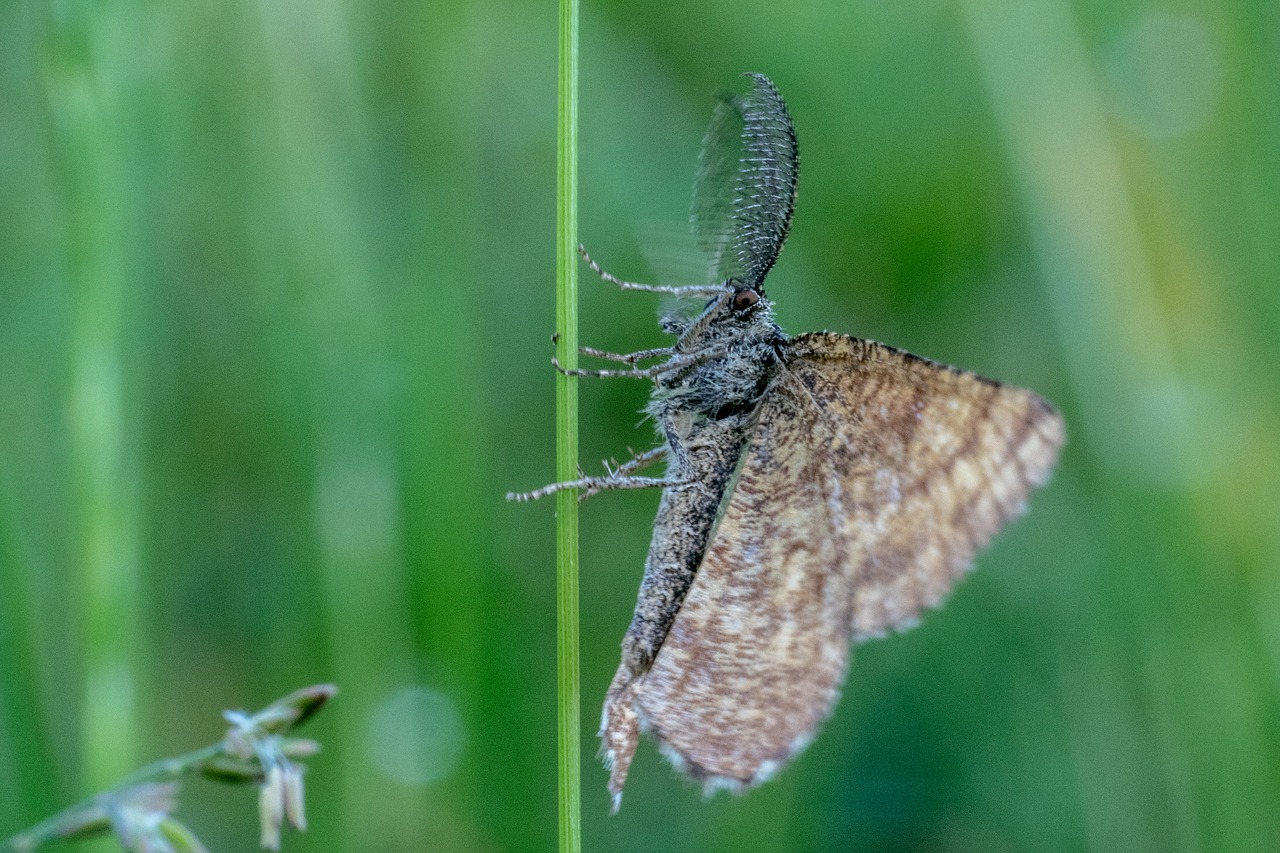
column 932, row 461
column 871, row 478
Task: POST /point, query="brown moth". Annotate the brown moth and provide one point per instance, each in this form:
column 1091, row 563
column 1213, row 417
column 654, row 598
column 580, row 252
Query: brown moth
column 820, row 490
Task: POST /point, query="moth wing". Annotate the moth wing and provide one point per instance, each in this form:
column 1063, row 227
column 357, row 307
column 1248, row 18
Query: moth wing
column 932, row 461
column 755, row 656
column 870, row 479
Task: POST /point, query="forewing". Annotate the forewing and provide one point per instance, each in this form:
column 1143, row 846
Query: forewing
column 755, row 656
column 870, row 480
column 931, row 461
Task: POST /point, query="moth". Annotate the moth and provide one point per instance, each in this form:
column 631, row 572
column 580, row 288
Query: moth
column 819, row 490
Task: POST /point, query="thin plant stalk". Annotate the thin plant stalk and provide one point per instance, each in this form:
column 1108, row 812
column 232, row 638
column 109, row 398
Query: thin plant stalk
column 567, row 687
column 137, row 808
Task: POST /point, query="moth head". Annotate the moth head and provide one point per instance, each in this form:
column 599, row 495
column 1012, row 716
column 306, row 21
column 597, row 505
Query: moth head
column 742, row 306
column 740, row 312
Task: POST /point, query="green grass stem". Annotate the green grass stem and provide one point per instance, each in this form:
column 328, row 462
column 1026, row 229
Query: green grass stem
column 567, row 689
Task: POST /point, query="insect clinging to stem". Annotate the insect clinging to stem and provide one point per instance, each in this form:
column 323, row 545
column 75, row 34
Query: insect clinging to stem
column 819, row 490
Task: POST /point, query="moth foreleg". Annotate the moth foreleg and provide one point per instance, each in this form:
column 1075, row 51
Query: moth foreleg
column 626, row 358
column 671, row 365
column 677, row 290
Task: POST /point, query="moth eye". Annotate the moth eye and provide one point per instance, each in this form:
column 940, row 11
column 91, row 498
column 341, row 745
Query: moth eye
column 744, row 299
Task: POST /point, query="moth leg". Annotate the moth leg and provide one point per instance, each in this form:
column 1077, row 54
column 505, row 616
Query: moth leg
column 618, row 477
column 595, row 485
column 627, row 358
column 671, row 365
column 626, row 469
column 640, row 460
column 677, row 290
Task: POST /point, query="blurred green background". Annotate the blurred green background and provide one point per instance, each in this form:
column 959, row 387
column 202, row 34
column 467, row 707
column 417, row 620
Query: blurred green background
column 275, row 306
